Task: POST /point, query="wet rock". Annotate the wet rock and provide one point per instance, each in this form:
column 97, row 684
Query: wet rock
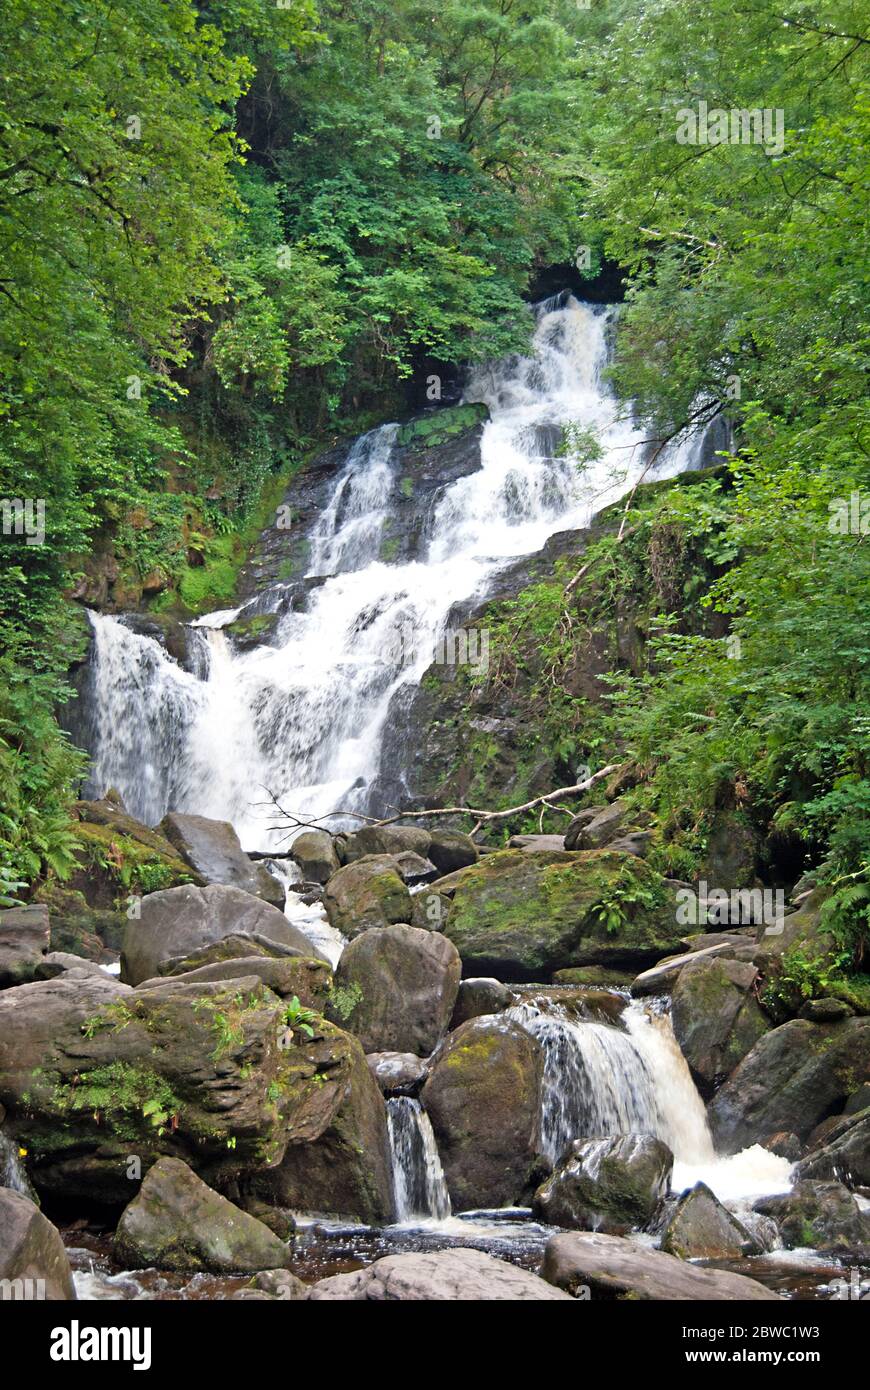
column 407, row 980
column 439, row 1277
column 612, row 1184
column 605, row 975
column 398, row 1073
column 611, row 1267
column 310, row 980
column 522, row 916
column 213, row 851
column 274, row 1285
column 662, row 977
column 366, row 893
column 820, row 1215
column 716, row 1017
column 450, row 850
column 480, row 996
column 33, row 1260
column 784, row 1145
column 701, row 1228
column 483, row 1098
column 794, row 1076
column 24, row 940
column 314, row 851
column 414, row 868
column 858, row 1100
column 383, row 839
column 178, row 921
column 845, row 1155
column 176, row 1222
column 825, row 1010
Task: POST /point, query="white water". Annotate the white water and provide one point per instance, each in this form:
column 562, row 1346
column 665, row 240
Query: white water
column 304, row 716
column 419, row 1186
column 12, row 1172
column 310, row 918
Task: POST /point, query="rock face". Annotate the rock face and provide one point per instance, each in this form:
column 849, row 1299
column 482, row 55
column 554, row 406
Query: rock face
column 613, row 1184
column 455, row 1276
column 314, row 852
column 32, row 1255
column 337, row 1158
column 213, row 851
column 369, row 892
column 823, row 1215
column 794, row 1077
column 24, row 940
column 716, row 1017
column 611, row 1267
column 845, row 1155
column 480, row 996
column 310, row 980
column 701, row 1228
column 176, row 1222
column 522, row 916
column 178, row 921
column 483, row 1098
column 407, row 979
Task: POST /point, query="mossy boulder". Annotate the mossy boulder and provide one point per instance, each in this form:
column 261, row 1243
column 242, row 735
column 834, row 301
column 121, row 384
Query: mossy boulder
column 523, row 916
column 370, row 892
column 483, row 1096
column 612, row 1184
column 309, row 980
column 121, row 857
column 818, row 1215
column 700, row 1228
column 405, row 981
column 437, row 427
column 716, row 1017
column 24, row 941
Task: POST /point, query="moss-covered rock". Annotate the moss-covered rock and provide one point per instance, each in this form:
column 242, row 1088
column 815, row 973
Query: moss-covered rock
column 819, row 1215
column 612, row 1184
column 367, row 893
column 700, row 1228
column 121, row 857
column 716, row 1016
column 523, row 916
column 437, row 427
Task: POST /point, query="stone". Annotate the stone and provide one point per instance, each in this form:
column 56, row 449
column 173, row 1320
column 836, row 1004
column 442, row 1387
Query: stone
column 578, row 823
column 24, row 940
column 611, row 1267
column 32, row 1255
column 213, row 851
column 701, row 1228
column 310, row 980
column 57, row 962
column 599, row 829
column 367, row 892
column 613, row 1184
column 274, row 1285
column 818, row 1215
column 731, row 852
column 398, row 1073
column 441, row 1276
column 845, row 1155
column 605, row 975
column 414, row 868
column 315, row 853
column 479, row 996
column 450, row 850
column 407, row 980
column 825, row 1010
column 177, row 921
column 716, row 1017
column 794, row 1076
column 784, row 1145
column 176, row 1222
column 636, row 842
column 661, row 978
column 384, row 839
column 483, row 1097
column 533, row 843
column 522, row 916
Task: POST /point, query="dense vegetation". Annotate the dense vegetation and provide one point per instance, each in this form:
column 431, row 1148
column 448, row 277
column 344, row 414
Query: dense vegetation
column 230, row 232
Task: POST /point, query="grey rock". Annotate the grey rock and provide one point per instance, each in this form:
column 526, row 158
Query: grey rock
column 612, row 1267
column 24, row 940
column 32, row 1252
column 213, row 850
column 613, row 1184
column 455, row 1276
column 407, row 979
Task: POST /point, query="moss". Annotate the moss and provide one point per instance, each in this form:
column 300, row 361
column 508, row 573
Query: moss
column 428, row 431
column 134, row 1100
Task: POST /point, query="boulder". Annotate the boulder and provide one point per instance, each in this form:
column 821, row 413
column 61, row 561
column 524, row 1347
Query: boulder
column 611, row 1267
column 578, row 823
column 314, row 851
column 178, row 921
column 794, row 1077
column 599, row 829
column 406, row 980
column 213, row 850
column 24, row 940
column 483, row 1096
column 612, row 1184
column 533, row 843
column 700, row 1228
column 33, row 1261
column 716, row 1017
column 384, row 839
column 309, row 980
column 337, row 1155
column 57, row 962
column 121, row 856
column 450, row 850
column 818, row 1215
column 731, row 852
column 442, row 1276
column 662, row 977
column 480, row 996
column 845, row 1155
column 229, row 948
column 604, row 975
column 414, row 868
column 398, row 1073
column 274, row 1286
column 522, row 916
column 366, row 893
column 636, row 842
column 825, row 1010
column 176, row 1222
column 784, row 1145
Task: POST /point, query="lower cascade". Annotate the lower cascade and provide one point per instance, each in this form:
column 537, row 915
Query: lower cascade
column 418, row 1180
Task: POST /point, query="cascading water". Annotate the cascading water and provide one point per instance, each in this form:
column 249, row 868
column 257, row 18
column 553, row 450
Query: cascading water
column 419, row 1186
column 304, row 716
column 12, row 1174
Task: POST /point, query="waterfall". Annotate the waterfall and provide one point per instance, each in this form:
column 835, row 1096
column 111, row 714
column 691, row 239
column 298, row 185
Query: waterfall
column 310, row 918
column 304, row 716
column 12, row 1174
column 418, row 1180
